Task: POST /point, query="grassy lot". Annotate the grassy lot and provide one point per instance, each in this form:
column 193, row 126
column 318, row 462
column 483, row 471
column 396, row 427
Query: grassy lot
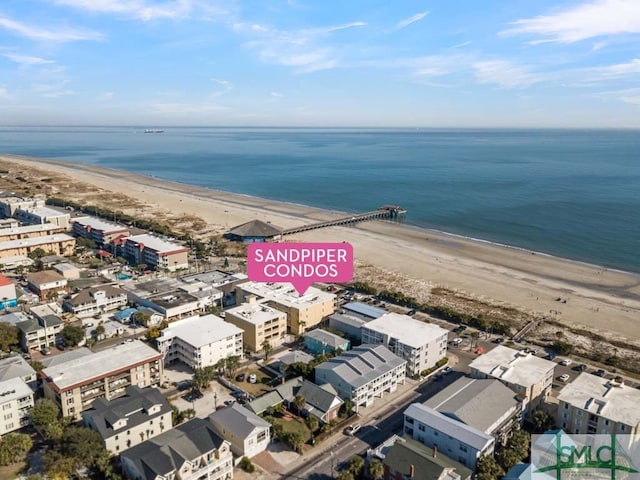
column 292, row 424
column 11, row 472
column 256, row 389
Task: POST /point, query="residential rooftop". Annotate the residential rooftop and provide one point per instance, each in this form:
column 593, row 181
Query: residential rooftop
column 99, row 224
column 35, row 241
column 239, row 420
column 44, row 212
column 45, row 276
column 331, row 340
column 13, row 389
column 215, row 278
column 513, row 366
column 364, row 310
column 199, row 331
column 40, row 227
column 15, row 366
column 406, row 330
column 448, row 426
column 362, row 364
column 480, row 403
column 285, row 294
column 157, row 244
column 255, row 313
column 99, row 364
column 607, row 398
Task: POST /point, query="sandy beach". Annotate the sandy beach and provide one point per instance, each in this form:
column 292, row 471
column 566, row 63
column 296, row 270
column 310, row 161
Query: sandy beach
column 575, row 294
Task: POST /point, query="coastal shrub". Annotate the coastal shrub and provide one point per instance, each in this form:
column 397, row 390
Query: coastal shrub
column 440, row 363
column 364, row 287
column 246, row 465
column 562, row 347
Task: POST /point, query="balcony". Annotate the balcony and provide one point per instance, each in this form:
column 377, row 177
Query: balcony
column 122, row 381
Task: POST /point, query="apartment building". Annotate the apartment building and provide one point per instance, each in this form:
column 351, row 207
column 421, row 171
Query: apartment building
column 321, row 342
column 167, row 296
column 16, row 399
column 29, row 231
column 259, row 323
column 597, row 405
column 421, row 344
column 10, row 203
column 42, row 329
column 43, row 214
column 189, row 451
column 14, row 366
column 125, row 422
column 90, row 301
column 74, row 381
column 303, row 311
column 98, row 230
column 46, row 283
column 363, row 373
column 199, row 341
column 156, row 253
column 460, row 442
column 57, row 244
column 527, row 375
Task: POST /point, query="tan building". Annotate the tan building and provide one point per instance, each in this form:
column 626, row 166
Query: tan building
column 29, row 231
column 56, row 244
column 303, row 311
column 156, row 253
column 259, row 322
column 529, row 376
column 46, row 283
column 74, row 381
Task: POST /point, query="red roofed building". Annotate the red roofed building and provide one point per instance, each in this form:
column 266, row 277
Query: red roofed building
column 156, row 252
column 7, row 293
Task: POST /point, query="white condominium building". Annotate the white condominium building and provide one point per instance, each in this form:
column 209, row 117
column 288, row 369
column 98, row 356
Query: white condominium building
column 16, row 400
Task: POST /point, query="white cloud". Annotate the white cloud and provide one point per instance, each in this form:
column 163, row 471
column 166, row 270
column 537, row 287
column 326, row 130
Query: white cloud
column 37, row 33
column 145, row 10
column 504, row 74
column 277, row 94
column 631, row 100
column 105, row 97
column 597, row 18
column 620, row 69
column 53, row 90
column 225, row 87
column 185, row 108
column 3, row 92
column 411, row 20
column 26, row 59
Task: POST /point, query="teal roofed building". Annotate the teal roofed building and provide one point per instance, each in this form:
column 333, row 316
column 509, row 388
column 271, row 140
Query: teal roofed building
column 320, row 342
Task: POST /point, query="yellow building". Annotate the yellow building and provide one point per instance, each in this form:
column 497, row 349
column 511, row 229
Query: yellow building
column 260, row 323
column 57, row 244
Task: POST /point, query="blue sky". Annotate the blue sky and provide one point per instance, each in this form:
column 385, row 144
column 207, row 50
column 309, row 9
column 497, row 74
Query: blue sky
column 433, row 63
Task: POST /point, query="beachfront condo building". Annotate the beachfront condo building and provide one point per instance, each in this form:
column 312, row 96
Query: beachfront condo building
column 259, row 323
column 593, row 405
column 10, row 203
column 421, row 344
column 29, row 231
column 156, row 253
column 529, row 376
column 199, row 341
column 56, row 244
column 39, row 215
column 125, row 422
column 303, row 311
column 98, row 230
column 16, row 401
column 363, row 373
column 73, row 381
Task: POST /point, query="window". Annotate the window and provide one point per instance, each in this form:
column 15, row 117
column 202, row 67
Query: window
column 69, row 401
column 421, row 427
column 606, row 422
column 9, row 426
column 8, row 416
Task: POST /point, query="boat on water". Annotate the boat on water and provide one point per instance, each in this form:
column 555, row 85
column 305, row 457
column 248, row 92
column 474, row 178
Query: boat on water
column 153, row 130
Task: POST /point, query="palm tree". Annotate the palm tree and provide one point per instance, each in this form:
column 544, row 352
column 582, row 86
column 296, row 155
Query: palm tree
column 299, row 402
column 267, row 349
column 375, row 469
column 356, row 465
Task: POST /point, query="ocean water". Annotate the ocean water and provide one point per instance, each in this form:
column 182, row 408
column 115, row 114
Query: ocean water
column 569, row 193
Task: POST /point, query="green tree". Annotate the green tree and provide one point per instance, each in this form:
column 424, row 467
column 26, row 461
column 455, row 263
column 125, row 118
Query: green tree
column 45, row 417
column 202, row 377
column 507, row 458
column 232, row 364
column 247, row 465
column 347, row 407
column 474, row 339
column 295, row 440
column 100, row 330
column 9, row 336
column 356, row 465
column 57, row 466
column 36, row 365
column 345, row 475
column 488, row 469
column 375, row 469
column 266, row 349
column 542, row 421
column 519, row 444
column 312, row 423
column 140, row 318
column 72, row 335
column 299, row 402
column 36, row 253
column 14, row 448
column 81, row 444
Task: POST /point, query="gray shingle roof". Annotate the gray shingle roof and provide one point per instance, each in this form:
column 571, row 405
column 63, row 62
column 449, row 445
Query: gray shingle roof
column 478, row 403
column 255, row 228
column 331, row 340
column 238, row 420
column 318, row 398
column 362, row 364
column 133, row 406
column 426, row 466
column 168, row 451
column 86, row 295
column 15, row 367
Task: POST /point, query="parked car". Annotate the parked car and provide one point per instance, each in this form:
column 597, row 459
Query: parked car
column 88, row 325
column 563, row 378
column 456, row 341
column 45, row 351
column 566, row 362
column 252, row 378
column 241, row 377
column 498, row 340
column 447, row 370
column 352, row 429
column 580, row 368
column 599, row 373
column 182, row 386
column 459, row 329
column 228, row 403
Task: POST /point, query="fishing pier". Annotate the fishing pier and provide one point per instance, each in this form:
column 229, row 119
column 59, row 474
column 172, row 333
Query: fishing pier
column 386, row 212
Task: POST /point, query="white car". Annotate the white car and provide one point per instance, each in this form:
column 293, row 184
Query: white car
column 566, row 362
column 351, row 430
column 252, row 378
column 563, row 378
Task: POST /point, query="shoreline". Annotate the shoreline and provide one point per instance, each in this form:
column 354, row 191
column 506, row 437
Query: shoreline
column 599, row 298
